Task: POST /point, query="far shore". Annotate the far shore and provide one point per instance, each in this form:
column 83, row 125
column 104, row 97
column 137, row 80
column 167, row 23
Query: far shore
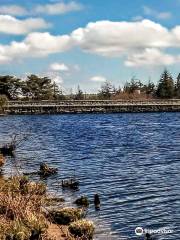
column 92, row 106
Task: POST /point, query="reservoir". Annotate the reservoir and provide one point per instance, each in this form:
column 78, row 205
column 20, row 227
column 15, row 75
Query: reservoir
column 132, row 160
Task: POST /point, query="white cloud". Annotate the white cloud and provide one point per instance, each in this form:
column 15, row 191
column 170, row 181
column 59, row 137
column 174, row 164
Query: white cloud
column 150, row 57
column 59, row 67
column 43, row 44
column 98, row 79
column 116, row 38
column 34, row 45
column 54, row 76
column 129, row 40
column 159, row 15
column 58, row 8
column 14, row 10
column 12, row 25
column 57, row 79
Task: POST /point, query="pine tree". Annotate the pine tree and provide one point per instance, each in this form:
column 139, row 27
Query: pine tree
column 165, row 87
column 177, row 87
column 106, row 91
column 79, row 95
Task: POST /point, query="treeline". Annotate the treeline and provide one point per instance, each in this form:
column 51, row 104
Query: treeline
column 43, row 88
column 166, row 88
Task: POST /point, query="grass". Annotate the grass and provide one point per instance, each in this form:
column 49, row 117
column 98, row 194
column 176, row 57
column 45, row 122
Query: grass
column 21, row 209
column 2, row 160
column 24, row 216
column 65, row 216
column 82, row 228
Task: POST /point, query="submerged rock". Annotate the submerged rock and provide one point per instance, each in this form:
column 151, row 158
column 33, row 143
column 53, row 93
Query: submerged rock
column 97, row 201
column 7, row 149
column 70, row 183
column 82, row 201
column 45, row 170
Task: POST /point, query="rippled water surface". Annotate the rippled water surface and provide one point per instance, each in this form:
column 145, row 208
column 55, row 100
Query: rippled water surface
column 131, row 160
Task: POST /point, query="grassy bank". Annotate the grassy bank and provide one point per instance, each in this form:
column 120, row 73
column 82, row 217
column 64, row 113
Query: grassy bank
column 28, row 213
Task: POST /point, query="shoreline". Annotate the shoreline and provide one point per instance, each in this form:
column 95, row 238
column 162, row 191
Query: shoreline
column 38, row 211
column 87, row 107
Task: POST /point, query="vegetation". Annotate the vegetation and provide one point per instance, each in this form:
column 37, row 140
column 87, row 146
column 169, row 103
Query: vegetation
column 2, row 160
column 43, row 88
column 10, row 87
column 24, row 213
column 82, row 228
column 34, row 87
column 21, row 215
column 28, row 213
column 177, row 87
column 66, row 216
column 166, row 87
column 3, row 102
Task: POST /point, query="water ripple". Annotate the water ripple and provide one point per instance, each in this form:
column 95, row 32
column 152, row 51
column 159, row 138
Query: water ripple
column 131, row 160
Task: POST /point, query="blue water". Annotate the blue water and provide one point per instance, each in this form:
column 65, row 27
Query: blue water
column 131, row 160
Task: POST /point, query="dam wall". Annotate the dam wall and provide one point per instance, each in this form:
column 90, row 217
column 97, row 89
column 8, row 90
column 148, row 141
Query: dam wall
column 91, row 106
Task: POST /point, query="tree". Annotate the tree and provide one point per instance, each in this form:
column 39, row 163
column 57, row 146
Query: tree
column 79, row 95
column 3, row 102
column 10, row 86
column 165, row 87
column 57, row 92
column 133, row 85
column 106, row 91
column 149, row 88
column 38, row 88
column 177, row 87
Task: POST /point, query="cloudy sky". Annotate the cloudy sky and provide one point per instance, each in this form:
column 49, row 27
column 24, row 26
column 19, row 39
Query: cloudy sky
column 87, row 42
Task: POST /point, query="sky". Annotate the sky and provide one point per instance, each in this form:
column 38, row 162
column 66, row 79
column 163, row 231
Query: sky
column 86, row 42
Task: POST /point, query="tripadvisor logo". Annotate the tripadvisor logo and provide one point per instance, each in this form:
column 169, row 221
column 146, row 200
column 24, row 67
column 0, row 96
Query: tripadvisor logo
column 139, row 231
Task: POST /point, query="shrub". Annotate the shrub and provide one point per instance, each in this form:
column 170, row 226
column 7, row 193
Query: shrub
column 21, row 214
column 2, row 160
column 82, row 228
column 3, row 102
column 65, row 216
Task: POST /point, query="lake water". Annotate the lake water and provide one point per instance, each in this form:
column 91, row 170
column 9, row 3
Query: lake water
column 131, row 160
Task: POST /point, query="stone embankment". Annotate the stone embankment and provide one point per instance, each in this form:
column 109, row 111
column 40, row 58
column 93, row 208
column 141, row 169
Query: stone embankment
column 91, row 106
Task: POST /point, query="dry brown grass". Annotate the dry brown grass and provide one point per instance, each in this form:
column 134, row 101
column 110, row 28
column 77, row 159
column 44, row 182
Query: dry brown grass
column 2, row 160
column 131, row 96
column 21, row 209
column 23, row 216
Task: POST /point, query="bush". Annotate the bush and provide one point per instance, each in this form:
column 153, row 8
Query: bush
column 20, row 209
column 82, row 228
column 3, row 102
column 2, row 160
column 65, row 216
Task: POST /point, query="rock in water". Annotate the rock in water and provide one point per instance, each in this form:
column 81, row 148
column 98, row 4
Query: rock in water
column 46, row 171
column 82, row 201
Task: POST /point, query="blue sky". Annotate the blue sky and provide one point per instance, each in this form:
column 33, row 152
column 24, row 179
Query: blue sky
column 86, row 42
